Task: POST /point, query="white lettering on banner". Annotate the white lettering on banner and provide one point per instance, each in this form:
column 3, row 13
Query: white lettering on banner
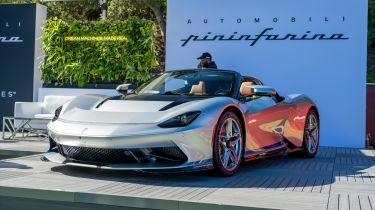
column 11, row 94
column 10, row 39
column 7, row 24
column 7, row 94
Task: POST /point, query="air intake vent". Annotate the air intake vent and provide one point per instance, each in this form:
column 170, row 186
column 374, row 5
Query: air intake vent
column 119, row 156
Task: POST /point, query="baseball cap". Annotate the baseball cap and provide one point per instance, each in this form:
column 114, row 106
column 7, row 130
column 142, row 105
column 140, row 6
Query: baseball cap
column 205, row 55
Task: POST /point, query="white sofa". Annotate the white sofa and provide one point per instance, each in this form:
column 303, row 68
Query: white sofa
column 44, row 110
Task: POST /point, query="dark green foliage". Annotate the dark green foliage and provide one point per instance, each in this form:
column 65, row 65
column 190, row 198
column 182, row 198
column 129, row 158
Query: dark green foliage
column 371, row 22
column 370, row 76
column 74, row 10
column 67, row 10
column 124, row 9
column 83, row 62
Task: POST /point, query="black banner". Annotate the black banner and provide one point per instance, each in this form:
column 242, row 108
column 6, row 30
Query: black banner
column 17, row 45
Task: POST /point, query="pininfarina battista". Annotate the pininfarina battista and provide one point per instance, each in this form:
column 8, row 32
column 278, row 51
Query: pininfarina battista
column 184, row 120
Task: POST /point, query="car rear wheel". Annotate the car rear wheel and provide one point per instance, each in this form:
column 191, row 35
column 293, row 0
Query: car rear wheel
column 311, row 135
column 228, row 146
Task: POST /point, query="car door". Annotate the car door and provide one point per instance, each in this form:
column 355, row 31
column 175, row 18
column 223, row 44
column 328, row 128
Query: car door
column 265, row 120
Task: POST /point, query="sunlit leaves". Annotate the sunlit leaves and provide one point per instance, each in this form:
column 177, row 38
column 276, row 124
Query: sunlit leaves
column 83, row 62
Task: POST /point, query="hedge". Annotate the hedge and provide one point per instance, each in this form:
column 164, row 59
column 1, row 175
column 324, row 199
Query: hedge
column 79, row 53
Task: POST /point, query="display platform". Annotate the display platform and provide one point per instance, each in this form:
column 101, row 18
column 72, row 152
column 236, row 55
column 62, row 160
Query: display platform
column 337, row 178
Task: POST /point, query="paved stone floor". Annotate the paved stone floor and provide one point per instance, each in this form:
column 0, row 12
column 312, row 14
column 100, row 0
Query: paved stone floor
column 338, row 178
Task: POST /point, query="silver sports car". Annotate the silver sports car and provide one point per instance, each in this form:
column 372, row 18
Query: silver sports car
column 182, row 121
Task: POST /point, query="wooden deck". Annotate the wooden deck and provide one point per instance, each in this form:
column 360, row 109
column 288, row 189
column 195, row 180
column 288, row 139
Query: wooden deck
column 338, row 178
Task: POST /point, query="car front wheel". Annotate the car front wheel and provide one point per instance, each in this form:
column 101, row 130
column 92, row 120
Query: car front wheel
column 228, row 145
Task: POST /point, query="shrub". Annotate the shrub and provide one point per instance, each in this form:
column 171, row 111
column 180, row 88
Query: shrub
column 79, row 62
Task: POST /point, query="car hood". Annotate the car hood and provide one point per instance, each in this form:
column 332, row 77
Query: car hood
column 138, row 110
column 132, row 106
column 129, row 111
column 119, row 112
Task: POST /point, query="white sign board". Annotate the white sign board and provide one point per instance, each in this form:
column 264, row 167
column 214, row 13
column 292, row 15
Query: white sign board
column 316, row 47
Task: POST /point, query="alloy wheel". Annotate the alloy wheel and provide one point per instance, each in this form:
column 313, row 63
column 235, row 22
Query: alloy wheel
column 230, row 144
column 312, row 133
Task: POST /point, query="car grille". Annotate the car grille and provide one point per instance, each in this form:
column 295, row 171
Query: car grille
column 120, row 156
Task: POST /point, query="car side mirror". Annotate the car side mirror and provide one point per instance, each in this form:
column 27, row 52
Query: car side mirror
column 123, row 89
column 256, row 90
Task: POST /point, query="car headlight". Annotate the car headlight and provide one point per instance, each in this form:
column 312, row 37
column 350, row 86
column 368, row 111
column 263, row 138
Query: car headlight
column 180, row 120
column 57, row 114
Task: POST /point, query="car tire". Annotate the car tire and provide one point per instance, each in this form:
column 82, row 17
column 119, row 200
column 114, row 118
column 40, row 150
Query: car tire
column 228, row 145
column 311, row 133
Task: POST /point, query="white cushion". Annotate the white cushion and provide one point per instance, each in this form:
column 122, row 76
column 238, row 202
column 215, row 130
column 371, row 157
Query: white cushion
column 45, row 110
column 51, row 103
column 27, row 109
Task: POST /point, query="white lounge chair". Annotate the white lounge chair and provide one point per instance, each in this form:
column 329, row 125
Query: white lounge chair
column 39, row 110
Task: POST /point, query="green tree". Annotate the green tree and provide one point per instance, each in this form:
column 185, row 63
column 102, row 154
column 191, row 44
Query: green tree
column 74, row 10
column 67, row 10
column 158, row 7
column 149, row 9
column 124, row 9
column 117, row 10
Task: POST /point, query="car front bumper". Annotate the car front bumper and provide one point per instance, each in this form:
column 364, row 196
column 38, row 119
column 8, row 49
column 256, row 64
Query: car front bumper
column 151, row 167
column 194, row 141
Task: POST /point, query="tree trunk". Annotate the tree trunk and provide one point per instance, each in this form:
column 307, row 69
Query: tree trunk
column 155, row 6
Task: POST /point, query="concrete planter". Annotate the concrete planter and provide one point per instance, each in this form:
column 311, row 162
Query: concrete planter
column 370, row 114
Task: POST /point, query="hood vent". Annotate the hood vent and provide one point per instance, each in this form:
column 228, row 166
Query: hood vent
column 181, row 101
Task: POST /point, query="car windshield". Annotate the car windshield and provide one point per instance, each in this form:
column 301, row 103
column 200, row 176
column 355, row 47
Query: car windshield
column 193, row 83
